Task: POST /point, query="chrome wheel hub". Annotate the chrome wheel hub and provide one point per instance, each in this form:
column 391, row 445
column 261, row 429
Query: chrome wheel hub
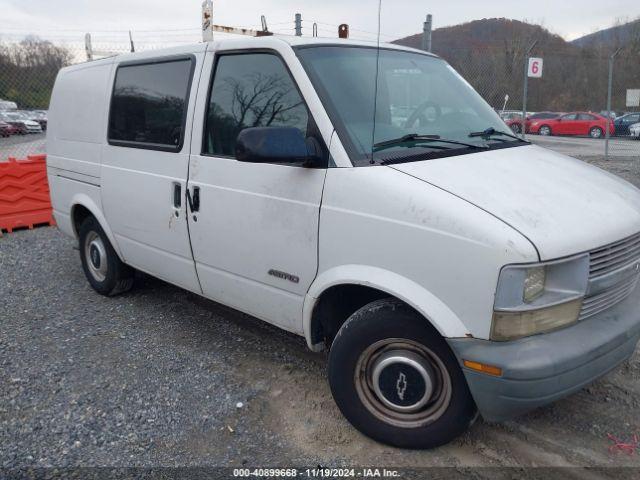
column 96, row 256
column 402, row 380
column 402, row 383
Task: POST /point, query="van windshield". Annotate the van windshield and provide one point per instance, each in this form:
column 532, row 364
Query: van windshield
column 423, row 108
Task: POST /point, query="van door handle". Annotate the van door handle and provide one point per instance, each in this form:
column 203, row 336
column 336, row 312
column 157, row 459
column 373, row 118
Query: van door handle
column 194, row 200
column 177, row 195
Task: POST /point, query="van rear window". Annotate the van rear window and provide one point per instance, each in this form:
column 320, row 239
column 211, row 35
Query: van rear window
column 149, row 104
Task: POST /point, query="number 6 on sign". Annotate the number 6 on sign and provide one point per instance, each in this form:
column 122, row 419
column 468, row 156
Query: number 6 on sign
column 535, row 68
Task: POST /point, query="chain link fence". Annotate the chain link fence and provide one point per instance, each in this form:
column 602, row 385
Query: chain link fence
column 567, row 108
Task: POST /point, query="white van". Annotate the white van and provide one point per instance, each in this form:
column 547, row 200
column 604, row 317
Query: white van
column 367, row 199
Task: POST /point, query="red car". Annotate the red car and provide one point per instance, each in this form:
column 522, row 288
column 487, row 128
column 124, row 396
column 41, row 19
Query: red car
column 6, row 129
column 573, row 123
column 515, row 123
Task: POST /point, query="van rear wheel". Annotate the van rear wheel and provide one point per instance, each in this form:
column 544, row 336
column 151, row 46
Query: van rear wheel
column 396, row 380
column 104, row 270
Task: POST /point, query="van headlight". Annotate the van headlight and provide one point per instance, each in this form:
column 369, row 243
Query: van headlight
column 538, row 298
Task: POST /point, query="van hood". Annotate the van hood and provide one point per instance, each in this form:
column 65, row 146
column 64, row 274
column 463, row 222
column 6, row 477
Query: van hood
column 562, row 205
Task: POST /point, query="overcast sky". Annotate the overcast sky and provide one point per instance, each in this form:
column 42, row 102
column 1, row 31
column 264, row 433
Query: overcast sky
column 568, row 18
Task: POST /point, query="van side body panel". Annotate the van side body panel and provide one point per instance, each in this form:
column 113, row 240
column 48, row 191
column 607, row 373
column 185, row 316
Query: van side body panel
column 76, row 131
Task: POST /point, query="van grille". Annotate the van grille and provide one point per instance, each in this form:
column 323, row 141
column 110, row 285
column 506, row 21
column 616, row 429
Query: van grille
column 607, row 260
column 617, row 255
column 600, row 302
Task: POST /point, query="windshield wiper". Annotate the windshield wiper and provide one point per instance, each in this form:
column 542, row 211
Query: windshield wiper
column 417, row 138
column 492, row 131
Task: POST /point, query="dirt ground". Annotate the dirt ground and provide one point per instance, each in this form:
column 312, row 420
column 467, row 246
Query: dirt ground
column 161, row 377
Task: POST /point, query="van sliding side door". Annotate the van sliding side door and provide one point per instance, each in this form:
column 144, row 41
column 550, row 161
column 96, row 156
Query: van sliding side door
column 144, row 167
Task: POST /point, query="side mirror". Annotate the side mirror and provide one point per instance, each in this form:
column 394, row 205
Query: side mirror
column 275, row 145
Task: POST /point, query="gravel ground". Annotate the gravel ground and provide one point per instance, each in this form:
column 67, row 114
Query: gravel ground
column 627, row 168
column 161, row 377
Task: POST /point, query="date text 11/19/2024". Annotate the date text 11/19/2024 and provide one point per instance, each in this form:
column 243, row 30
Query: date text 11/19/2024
column 318, row 472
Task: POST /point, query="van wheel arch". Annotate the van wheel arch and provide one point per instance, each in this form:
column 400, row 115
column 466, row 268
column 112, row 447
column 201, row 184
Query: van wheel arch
column 337, row 303
column 79, row 214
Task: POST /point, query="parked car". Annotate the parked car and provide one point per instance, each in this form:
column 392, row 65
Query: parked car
column 448, row 266
column 39, row 116
column 574, row 123
column 507, row 115
column 24, row 124
column 20, row 127
column 7, row 105
column 516, row 123
column 634, row 130
column 6, row 129
column 623, row 123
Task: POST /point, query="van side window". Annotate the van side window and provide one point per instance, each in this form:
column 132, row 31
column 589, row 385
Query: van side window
column 149, row 103
column 250, row 90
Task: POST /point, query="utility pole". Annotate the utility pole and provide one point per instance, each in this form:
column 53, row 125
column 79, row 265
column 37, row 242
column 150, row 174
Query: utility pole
column 298, row 25
column 133, row 47
column 88, row 47
column 426, row 33
column 207, row 20
column 609, row 88
column 526, row 86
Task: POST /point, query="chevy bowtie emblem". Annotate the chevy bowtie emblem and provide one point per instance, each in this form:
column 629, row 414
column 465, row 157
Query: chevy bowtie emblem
column 401, row 385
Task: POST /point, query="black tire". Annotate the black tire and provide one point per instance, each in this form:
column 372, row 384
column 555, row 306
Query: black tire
column 516, row 128
column 545, row 131
column 390, row 320
column 596, row 132
column 103, row 268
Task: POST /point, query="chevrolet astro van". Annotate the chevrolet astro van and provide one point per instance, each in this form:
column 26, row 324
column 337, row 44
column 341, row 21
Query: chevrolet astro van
column 367, row 199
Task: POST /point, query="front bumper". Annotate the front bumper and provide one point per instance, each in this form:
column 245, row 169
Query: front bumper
column 543, row 368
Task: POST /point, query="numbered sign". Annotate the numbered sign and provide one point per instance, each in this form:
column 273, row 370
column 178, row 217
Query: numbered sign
column 633, row 98
column 535, row 68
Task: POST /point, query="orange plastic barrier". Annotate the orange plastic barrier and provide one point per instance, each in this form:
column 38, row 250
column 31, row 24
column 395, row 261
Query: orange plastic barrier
column 24, row 194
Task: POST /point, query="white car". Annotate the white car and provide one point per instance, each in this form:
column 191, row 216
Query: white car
column 634, row 130
column 29, row 126
column 448, row 266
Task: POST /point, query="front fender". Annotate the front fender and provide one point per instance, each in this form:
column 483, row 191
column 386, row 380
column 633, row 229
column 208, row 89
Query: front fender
column 434, row 310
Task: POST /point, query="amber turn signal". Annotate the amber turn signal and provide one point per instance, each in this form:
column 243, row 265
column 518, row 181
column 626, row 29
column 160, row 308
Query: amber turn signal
column 482, row 368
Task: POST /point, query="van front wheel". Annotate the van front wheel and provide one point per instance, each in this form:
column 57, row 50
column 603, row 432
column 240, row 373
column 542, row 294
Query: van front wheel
column 395, row 379
column 102, row 267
